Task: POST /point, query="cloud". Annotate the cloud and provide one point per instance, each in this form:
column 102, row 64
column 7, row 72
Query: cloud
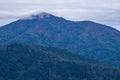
column 103, row 11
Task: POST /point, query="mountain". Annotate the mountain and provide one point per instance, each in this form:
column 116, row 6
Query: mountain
column 93, row 40
column 32, row 62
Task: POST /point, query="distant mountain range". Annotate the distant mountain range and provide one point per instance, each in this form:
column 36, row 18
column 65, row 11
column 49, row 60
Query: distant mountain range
column 32, row 62
column 93, row 40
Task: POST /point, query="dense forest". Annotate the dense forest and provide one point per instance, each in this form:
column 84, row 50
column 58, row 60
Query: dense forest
column 33, row 62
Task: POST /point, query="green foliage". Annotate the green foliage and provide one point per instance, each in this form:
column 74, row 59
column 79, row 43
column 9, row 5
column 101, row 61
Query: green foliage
column 32, row 62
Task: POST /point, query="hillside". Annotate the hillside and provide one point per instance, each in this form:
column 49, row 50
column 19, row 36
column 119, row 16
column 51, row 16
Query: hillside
column 32, row 62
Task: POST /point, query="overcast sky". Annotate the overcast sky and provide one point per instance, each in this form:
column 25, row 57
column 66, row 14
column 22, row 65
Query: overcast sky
column 102, row 11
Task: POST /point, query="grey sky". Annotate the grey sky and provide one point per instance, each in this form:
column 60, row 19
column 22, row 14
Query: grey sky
column 102, row 11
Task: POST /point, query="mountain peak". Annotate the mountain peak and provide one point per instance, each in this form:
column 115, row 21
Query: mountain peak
column 39, row 15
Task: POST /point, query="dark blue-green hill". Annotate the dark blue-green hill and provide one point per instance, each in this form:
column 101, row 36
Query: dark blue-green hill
column 31, row 62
